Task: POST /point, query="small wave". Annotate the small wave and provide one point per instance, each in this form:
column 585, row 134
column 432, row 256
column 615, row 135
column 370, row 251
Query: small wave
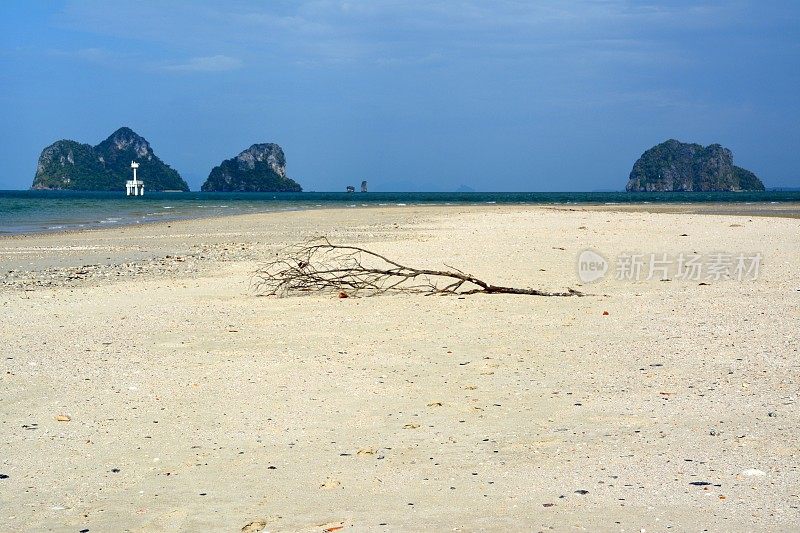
column 167, row 207
column 401, row 204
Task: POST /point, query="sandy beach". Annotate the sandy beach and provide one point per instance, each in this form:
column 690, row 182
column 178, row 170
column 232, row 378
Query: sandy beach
column 146, row 388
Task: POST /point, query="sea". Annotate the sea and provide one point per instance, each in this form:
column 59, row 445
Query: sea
column 51, row 211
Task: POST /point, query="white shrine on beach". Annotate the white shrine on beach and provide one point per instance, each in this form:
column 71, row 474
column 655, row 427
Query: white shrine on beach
column 134, row 187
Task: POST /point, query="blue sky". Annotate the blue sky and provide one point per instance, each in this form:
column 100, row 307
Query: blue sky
column 410, row 95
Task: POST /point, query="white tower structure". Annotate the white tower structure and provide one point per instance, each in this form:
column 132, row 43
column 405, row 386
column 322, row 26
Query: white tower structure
column 134, row 187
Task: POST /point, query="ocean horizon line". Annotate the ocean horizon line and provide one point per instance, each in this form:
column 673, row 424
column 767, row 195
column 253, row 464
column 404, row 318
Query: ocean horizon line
column 476, row 191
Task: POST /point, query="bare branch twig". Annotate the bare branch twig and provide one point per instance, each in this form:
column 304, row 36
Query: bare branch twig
column 320, row 266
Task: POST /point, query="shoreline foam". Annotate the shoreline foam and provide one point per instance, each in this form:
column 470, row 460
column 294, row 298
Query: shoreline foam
column 25, row 212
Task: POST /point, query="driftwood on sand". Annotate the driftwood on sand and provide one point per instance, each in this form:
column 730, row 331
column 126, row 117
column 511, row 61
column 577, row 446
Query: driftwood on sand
column 320, row 266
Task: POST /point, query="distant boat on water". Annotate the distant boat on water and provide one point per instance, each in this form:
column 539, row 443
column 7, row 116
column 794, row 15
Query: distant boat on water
column 350, row 188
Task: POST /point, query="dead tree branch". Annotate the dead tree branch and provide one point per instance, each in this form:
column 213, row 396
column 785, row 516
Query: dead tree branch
column 319, row 266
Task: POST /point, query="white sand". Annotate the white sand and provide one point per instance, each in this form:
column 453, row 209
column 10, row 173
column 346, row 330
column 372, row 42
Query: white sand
column 400, row 412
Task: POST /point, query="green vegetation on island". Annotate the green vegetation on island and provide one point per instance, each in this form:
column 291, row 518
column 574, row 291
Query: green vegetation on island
column 71, row 165
column 677, row 166
column 260, row 168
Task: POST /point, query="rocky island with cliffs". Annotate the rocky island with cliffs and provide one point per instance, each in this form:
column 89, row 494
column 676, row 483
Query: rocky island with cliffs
column 260, row 168
column 678, row 166
column 70, row 165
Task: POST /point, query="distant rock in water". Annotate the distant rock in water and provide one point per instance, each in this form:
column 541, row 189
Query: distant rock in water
column 106, row 167
column 677, row 166
column 260, row 168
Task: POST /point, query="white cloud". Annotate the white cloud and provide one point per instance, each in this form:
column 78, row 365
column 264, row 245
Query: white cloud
column 91, row 55
column 380, row 32
column 217, row 63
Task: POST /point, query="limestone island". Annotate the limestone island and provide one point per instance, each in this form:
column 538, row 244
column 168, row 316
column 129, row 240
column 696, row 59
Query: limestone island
column 70, row 165
column 260, row 168
column 677, row 166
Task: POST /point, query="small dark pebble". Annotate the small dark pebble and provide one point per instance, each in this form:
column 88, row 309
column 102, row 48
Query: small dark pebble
column 3, row 476
column 203, row 493
column 115, row 470
column 270, row 467
column 699, row 483
column 548, row 504
column 84, row 530
column 773, row 414
column 581, row 491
